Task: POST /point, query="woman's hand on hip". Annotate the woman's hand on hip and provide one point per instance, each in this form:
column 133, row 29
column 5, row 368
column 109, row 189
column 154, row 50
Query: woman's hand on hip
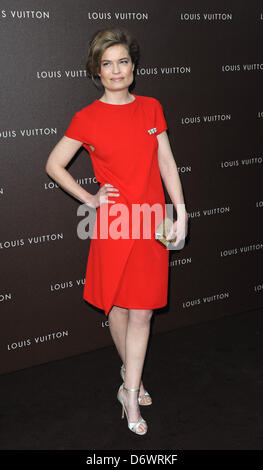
column 102, row 195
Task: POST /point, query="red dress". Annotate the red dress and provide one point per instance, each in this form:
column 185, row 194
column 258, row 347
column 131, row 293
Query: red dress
column 128, row 272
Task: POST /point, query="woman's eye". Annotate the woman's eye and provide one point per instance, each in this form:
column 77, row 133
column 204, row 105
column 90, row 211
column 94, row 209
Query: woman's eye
column 122, row 61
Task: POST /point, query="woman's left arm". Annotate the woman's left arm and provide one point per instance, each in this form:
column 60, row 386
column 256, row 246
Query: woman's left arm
column 171, row 179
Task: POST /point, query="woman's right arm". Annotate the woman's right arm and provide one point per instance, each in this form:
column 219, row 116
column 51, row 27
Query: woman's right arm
column 58, row 159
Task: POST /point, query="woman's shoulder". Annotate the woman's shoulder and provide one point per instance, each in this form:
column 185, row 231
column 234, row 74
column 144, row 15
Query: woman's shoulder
column 150, row 101
column 85, row 111
column 90, row 109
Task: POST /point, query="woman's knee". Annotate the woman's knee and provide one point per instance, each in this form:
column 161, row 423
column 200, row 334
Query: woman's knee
column 140, row 316
column 116, row 311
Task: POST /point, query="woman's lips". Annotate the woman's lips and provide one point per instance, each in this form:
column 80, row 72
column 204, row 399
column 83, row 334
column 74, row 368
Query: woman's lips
column 117, row 79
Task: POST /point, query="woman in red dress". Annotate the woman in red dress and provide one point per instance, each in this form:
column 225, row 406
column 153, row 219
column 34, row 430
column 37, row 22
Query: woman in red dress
column 125, row 134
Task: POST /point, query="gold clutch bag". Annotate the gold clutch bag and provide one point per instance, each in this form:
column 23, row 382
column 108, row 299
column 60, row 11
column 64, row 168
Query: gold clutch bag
column 162, row 231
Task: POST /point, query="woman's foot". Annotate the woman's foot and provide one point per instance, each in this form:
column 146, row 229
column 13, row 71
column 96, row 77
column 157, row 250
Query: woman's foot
column 145, row 399
column 130, row 400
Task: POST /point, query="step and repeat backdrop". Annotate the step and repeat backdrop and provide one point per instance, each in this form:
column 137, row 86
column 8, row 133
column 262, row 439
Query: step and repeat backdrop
column 203, row 61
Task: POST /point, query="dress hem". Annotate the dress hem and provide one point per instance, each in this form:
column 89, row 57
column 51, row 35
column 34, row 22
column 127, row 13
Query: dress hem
column 125, row 306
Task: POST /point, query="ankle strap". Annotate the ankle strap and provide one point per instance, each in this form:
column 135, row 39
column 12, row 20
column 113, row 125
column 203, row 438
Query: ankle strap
column 131, row 389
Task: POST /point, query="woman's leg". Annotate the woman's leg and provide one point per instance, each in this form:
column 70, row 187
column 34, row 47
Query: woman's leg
column 118, row 323
column 137, row 336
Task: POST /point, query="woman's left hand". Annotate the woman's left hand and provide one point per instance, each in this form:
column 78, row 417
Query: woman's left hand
column 180, row 229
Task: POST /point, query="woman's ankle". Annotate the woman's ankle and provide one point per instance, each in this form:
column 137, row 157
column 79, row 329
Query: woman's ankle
column 131, row 395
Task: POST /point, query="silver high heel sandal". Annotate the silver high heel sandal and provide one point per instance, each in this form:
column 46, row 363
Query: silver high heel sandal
column 132, row 426
column 146, row 394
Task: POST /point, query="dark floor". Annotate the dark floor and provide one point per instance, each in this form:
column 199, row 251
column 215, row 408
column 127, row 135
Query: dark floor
column 206, row 383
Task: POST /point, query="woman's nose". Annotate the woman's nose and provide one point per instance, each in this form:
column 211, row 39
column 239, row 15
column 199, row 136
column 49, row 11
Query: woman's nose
column 116, row 68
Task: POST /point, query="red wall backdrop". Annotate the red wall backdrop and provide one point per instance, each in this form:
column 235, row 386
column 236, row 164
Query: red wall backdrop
column 203, row 61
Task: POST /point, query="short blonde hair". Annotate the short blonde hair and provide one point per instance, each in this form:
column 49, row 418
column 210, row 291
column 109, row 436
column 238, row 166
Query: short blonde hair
column 103, row 39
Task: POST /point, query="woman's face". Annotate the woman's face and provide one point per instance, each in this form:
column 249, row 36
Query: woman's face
column 116, row 68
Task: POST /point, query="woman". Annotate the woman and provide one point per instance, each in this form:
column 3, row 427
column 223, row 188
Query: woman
column 125, row 135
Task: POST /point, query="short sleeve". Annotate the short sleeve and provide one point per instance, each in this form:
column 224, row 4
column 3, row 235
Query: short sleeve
column 160, row 122
column 77, row 128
